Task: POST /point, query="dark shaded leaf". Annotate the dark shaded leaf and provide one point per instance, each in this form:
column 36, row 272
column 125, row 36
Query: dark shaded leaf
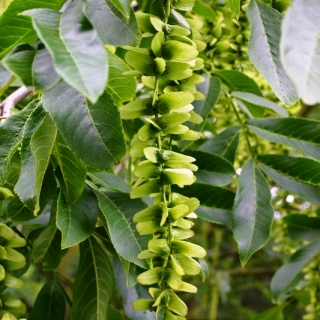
column 119, row 209
column 302, row 227
column 303, row 134
column 50, row 303
column 219, row 216
column 111, row 26
column 264, row 50
column 285, row 278
column 212, row 169
column 94, row 282
column 297, row 175
column 38, row 139
column 10, row 137
column 72, row 170
column 130, row 294
column 121, row 87
column 72, row 42
column 224, row 144
column 77, row 221
column 92, row 131
column 252, row 212
column 33, row 67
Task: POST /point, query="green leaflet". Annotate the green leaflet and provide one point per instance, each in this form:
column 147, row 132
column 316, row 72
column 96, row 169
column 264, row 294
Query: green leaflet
column 264, row 50
column 94, row 282
column 262, row 102
column 130, row 294
column 215, row 215
column 224, row 144
column 10, row 138
column 212, row 169
column 71, row 170
column 92, row 131
column 300, row 169
column 5, row 77
column 119, row 209
column 37, row 143
column 109, row 181
column 50, row 303
column 302, row 227
column 77, row 221
column 235, row 7
column 205, row 11
column 285, row 279
column 120, row 86
column 297, row 175
column 303, row 134
column 211, row 88
column 275, row 313
column 238, row 81
column 112, row 27
column 123, row 6
column 300, row 51
column 47, row 247
column 23, row 31
column 252, row 212
column 71, row 40
column 33, row 67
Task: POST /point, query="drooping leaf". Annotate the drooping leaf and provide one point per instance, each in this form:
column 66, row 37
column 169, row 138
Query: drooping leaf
column 111, row 26
column 5, row 76
column 77, row 221
column 50, row 303
column 303, row 134
column 72, row 42
column 92, row 131
column 254, row 99
column 120, row 86
column 72, row 170
column 284, row 279
column 110, row 181
column 264, row 50
column 275, row 313
column 32, row 66
column 38, row 139
column 297, row 175
column 238, row 81
column 252, row 212
column 212, row 169
column 10, row 138
column 219, row 216
column 208, row 195
column 224, row 144
column 300, row 51
column 205, row 11
column 119, row 209
column 211, row 88
column 19, row 27
column 235, row 7
column 130, row 294
column 302, row 227
column 300, row 169
column 123, row 6
column 94, row 282
column 47, row 247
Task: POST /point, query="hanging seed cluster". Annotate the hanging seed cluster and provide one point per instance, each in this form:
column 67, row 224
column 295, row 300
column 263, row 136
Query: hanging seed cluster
column 167, row 69
column 10, row 260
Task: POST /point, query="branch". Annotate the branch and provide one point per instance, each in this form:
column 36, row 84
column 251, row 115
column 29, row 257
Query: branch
column 12, row 100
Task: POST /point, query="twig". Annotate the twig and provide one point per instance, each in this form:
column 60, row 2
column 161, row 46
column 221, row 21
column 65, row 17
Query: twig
column 12, row 100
